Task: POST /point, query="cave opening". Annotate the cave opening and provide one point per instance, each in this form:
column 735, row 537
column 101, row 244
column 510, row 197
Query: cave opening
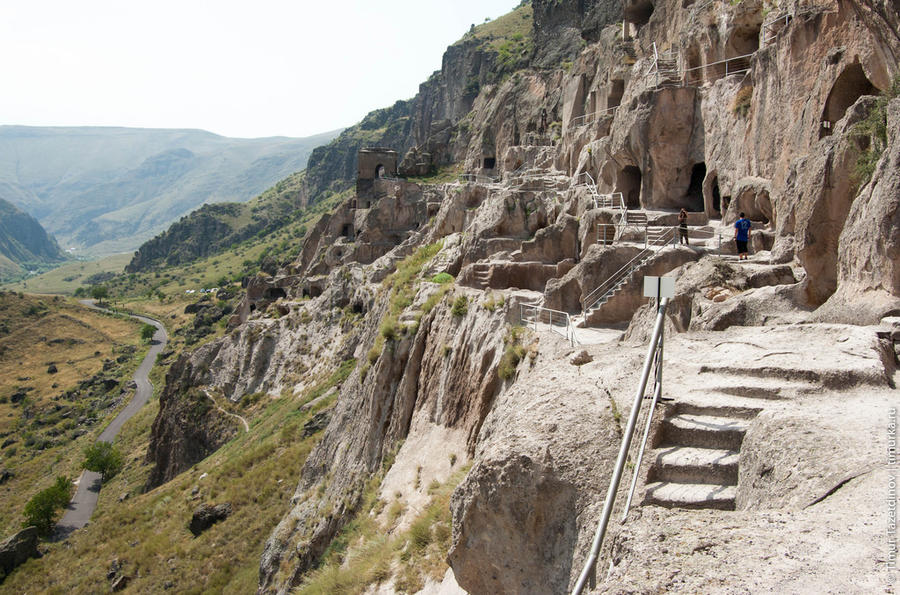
column 849, row 86
column 616, row 90
column 315, row 291
column 638, row 12
column 273, row 293
column 379, row 171
column 744, row 40
column 694, row 195
column 347, row 231
column 629, row 184
column 489, row 162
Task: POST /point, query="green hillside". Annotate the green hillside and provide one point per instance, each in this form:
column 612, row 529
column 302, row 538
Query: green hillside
column 24, row 244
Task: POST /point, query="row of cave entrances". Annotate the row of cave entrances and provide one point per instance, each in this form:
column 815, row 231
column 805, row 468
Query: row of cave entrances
column 629, row 184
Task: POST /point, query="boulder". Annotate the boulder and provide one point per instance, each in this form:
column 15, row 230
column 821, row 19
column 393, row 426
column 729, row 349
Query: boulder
column 581, row 358
column 6, row 474
column 119, row 583
column 206, row 515
column 19, row 548
column 317, row 423
column 51, row 369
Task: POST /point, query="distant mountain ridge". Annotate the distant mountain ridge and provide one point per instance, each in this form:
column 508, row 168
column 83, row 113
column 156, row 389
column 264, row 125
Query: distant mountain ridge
column 105, row 190
column 23, row 241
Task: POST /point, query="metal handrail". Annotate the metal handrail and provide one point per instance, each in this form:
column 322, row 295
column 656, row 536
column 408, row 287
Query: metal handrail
column 655, row 348
column 767, row 34
column 611, row 282
column 586, row 118
column 606, row 240
column 537, row 310
column 478, row 178
column 610, row 197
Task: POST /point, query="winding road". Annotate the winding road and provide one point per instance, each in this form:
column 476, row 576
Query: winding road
column 82, row 506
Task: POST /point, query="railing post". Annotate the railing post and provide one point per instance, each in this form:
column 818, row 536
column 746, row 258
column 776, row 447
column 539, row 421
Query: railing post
column 623, row 453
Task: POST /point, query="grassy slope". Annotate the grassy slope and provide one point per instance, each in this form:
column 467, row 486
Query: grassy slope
column 256, row 473
column 71, row 275
column 42, row 428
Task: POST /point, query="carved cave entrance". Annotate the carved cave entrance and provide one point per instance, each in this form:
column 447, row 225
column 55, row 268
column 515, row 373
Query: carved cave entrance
column 273, row 293
column 744, row 40
column 616, row 90
column 693, row 199
column 638, row 12
column 849, row 86
column 629, row 184
column 489, row 162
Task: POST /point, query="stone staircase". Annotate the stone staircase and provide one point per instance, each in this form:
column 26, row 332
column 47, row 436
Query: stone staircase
column 696, row 462
column 482, row 276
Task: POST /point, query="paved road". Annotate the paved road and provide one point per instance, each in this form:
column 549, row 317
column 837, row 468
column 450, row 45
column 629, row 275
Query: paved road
column 85, row 501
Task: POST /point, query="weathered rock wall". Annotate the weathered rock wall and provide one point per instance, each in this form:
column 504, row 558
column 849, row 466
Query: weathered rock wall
column 442, row 371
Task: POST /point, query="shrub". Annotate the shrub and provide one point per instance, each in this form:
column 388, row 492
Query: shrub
column 460, row 306
column 390, row 329
column 873, row 127
column 512, row 353
column 442, row 278
column 43, row 509
column 103, row 458
column 741, row 105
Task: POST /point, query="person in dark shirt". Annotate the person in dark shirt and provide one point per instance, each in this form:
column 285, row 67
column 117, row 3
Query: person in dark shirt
column 742, row 236
column 682, row 227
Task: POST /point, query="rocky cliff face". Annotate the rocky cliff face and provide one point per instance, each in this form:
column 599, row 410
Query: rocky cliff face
column 23, row 240
column 715, row 107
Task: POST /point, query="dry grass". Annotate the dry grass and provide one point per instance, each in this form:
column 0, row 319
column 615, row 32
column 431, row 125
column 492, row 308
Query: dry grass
column 255, row 472
column 366, row 553
column 57, row 331
column 72, row 275
column 40, row 330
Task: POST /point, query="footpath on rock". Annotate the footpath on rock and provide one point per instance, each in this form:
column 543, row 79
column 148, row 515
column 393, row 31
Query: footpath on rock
column 82, row 506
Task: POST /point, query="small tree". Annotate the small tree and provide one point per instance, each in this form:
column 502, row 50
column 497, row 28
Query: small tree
column 147, row 332
column 99, row 293
column 103, row 458
column 43, row 509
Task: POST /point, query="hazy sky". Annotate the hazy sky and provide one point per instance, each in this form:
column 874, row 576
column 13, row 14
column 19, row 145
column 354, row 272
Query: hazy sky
column 238, row 68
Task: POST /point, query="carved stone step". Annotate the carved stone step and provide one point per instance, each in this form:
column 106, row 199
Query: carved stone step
column 691, row 495
column 704, row 431
column 682, row 464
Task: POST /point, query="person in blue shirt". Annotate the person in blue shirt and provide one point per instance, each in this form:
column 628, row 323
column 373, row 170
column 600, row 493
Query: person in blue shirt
column 742, row 236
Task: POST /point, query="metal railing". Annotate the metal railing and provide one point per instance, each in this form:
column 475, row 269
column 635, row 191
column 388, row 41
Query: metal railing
column 606, row 233
column 585, row 119
column 535, row 139
column 654, row 357
column 556, row 321
column 664, row 66
column 701, row 233
column 616, row 279
column 479, row 178
column 611, row 200
column 772, row 27
column 715, row 70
